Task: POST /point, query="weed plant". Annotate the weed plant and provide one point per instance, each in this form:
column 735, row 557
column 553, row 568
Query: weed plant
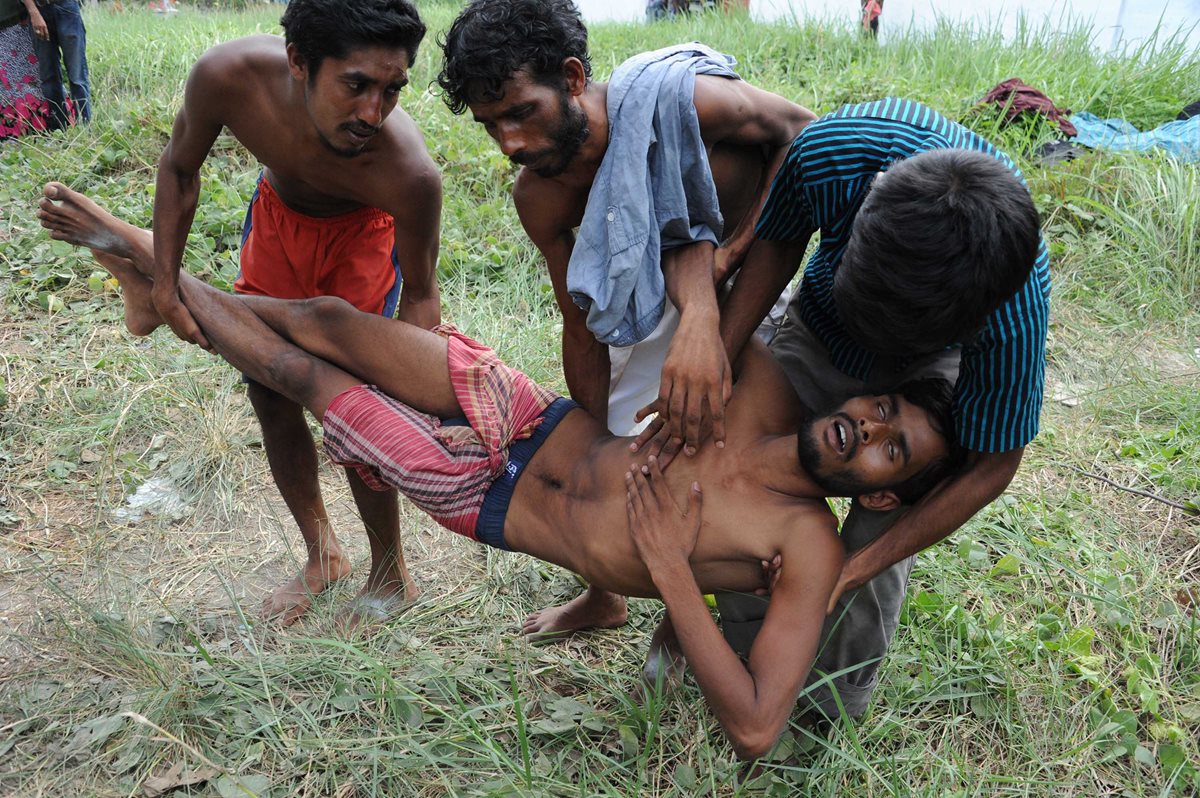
column 1050, row 647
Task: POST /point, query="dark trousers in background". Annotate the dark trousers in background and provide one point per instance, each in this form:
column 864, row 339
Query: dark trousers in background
column 68, row 37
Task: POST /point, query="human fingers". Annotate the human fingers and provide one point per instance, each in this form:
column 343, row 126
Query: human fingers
column 183, row 325
column 648, row 434
column 677, row 408
column 693, row 416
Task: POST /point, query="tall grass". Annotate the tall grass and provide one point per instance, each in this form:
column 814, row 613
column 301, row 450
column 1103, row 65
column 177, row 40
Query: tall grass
column 1050, row 647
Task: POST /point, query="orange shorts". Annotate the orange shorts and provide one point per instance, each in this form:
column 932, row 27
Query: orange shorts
column 288, row 255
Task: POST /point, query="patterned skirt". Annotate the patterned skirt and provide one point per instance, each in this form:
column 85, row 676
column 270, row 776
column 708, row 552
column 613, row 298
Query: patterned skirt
column 23, row 109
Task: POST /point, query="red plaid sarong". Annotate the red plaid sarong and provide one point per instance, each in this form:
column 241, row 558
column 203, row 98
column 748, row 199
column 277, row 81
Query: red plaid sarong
column 444, row 469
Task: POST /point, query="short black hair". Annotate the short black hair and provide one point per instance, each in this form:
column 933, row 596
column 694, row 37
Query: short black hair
column 935, row 396
column 942, row 239
column 491, row 40
column 323, row 29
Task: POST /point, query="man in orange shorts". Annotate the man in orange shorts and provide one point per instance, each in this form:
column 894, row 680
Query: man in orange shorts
column 348, row 198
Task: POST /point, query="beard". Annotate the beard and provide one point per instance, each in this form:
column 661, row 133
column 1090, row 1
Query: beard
column 342, row 152
column 808, row 450
column 566, row 138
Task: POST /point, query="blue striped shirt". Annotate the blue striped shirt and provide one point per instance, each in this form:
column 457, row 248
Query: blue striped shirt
column 821, row 185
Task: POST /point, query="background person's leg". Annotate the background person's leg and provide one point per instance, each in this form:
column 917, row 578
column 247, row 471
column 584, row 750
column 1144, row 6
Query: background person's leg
column 72, row 39
column 50, row 70
column 388, row 579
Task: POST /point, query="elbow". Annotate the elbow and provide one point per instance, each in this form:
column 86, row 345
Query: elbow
column 753, row 740
column 753, row 746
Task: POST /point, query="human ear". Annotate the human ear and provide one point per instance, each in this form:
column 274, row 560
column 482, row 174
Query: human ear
column 880, row 500
column 296, row 65
column 574, row 75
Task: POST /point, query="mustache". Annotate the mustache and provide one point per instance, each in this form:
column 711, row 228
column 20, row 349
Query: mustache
column 361, row 130
column 526, row 158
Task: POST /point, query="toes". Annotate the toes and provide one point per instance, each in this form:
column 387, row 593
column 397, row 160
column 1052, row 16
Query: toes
column 52, row 189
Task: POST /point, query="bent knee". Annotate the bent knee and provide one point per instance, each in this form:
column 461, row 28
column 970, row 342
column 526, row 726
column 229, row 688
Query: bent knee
column 326, row 310
column 293, row 374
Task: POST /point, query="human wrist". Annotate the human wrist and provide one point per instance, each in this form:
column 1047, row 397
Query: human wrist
column 669, row 571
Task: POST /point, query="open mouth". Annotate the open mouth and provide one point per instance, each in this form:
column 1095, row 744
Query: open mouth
column 841, row 437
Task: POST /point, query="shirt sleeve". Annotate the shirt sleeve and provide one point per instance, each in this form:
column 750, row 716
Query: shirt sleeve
column 787, row 214
column 998, row 396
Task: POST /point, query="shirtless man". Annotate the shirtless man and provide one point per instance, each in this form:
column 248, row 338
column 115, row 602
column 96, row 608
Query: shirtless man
column 530, row 472
column 348, row 199
column 522, row 69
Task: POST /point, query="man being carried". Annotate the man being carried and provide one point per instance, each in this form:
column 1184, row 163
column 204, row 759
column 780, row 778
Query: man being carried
column 673, row 156
column 493, row 456
column 348, row 199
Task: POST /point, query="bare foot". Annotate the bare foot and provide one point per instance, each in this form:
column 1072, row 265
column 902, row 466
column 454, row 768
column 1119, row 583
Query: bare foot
column 287, row 603
column 665, row 662
column 594, row 609
column 373, row 607
column 72, row 217
column 140, row 316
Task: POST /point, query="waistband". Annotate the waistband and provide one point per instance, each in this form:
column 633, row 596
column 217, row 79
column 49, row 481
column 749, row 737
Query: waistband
column 489, row 528
column 266, row 192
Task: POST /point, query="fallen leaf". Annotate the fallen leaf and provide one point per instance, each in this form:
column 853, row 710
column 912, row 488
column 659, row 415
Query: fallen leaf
column 177, row 776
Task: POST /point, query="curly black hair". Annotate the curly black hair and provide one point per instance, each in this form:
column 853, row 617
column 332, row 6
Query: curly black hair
column 492, row 39
column 323, row 29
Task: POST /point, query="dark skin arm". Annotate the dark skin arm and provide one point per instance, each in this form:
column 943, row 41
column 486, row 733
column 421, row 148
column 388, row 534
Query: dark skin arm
column 585, row 360
column 695, row 379
column 700, row 397
column 36, row 21
column 751, row 701
column 417, row 233
column 177, row 189
column 767, row 269
column 940, row 512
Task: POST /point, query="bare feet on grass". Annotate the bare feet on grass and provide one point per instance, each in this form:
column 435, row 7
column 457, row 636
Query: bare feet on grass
column 594, row 609
column 374, row 606
column 289, row 601
column 72, row 217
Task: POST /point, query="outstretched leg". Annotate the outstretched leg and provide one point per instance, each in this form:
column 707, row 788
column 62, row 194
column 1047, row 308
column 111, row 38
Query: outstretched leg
column 124, row 249
column 406, row 362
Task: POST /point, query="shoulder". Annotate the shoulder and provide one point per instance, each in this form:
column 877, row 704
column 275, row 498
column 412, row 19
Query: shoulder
column 545, row 207
column 239, row 62
column 812, row 539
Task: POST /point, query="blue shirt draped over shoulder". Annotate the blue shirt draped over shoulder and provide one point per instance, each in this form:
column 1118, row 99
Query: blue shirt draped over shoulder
column 653, row 191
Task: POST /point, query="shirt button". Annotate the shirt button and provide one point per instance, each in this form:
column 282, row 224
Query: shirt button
column 611, row 216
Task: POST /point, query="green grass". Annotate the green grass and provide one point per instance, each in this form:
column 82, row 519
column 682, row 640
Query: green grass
column 1050, row 647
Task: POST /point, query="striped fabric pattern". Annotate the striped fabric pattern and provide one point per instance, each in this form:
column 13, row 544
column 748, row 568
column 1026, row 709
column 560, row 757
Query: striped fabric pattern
column 445, row 469
column 821, row 185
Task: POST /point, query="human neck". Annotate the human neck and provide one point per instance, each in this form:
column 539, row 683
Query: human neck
column 586, row 163
column 777, row 466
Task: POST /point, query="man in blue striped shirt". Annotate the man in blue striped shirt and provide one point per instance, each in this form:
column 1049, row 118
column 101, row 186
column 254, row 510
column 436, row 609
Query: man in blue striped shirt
column 930, row 263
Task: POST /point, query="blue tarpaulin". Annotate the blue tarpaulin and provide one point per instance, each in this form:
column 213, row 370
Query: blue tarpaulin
column 1181, row 138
